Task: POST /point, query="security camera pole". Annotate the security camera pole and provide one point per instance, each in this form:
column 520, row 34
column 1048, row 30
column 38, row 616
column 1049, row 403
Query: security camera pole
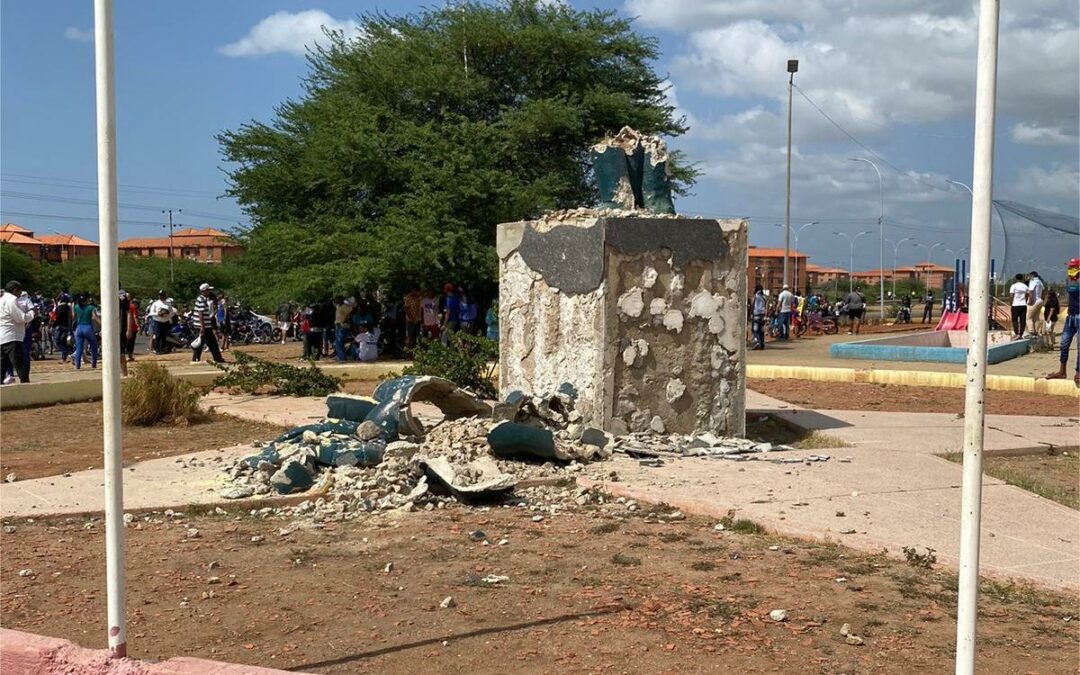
column 792, row 68
column 110, row 326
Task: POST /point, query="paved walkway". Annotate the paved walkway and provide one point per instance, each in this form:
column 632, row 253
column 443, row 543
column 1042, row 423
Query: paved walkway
column 893, row 493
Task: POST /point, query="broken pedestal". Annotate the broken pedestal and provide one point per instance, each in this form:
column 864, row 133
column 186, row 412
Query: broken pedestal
column 645, row 316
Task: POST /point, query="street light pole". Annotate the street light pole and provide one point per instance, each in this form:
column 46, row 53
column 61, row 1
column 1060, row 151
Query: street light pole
column 896, row 251
column 172, row 271
column 851, row 259
column 881, row 236
column 797, row 233
column 792, row 68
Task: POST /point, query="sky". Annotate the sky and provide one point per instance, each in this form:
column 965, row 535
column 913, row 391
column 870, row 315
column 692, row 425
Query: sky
column 887, row 80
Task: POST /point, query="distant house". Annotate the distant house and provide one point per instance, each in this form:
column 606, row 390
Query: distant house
column 933, row 276
column 766, row 267
column 22, row 239
column 64, row 247
column 202, row 245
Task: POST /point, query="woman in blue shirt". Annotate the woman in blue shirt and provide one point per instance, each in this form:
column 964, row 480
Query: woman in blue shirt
column 84, row 314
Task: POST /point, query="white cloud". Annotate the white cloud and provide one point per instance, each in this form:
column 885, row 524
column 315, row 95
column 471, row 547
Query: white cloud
column 289, row 33
column 75, row 35
column 1059, row 181
column 1034, row 134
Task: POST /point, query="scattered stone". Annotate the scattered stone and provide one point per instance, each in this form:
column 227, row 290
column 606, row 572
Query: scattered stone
column 675, row 390
column 845, row 630
column 257, row 539
column 840, row 514
column 447, row 603
column 213, row 565
column 213, row 581
column 657, row 424
column 9, row 529
column 238, row 492
column 477, row 535
column 847, row 530
column 389, row 568
column 493, row 579
column 537, row 518
column 778, row 615
column 11, row 478
column 193, row 533
column 368, row 431
column 27, row 572
column 719, row 527
column 854, row 640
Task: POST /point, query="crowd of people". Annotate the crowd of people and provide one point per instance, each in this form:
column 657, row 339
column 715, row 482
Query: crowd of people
column 780, row 314
column 362, row 327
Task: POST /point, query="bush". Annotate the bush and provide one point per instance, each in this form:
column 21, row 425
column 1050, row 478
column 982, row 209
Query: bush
column 255, row 376
column 468, row 361
column 152, row 396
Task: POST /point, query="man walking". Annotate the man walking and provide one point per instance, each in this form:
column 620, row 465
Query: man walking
column 284, row 319
column 62, row 325
column 928, row 307
column 855, row 302
column 13, row 321
column 785, row 301
column 162, row 312
column 757, row 317
column 1072, row 322
column 1036, row 300
column 202, row 316
column 343, row 308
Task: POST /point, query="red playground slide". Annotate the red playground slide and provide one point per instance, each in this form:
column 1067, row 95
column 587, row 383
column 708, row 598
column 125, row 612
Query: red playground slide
column 953, row 321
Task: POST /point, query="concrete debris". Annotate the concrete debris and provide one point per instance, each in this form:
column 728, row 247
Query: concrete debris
column 447, row 603
column 778, row 615
column 27, row 572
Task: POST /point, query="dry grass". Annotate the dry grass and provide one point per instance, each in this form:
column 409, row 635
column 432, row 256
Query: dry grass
column 152, row 396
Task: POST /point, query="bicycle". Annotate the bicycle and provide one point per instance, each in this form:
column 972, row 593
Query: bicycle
column 817, row 324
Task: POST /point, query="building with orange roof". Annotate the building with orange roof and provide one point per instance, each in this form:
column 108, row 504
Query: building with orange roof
column 20, row 238
column 819, row 277
column 933, row 276
column 766, row 267
column 60, row 248
column 202, row 245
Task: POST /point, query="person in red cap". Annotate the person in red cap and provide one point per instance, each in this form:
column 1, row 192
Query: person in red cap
column 1072, row 322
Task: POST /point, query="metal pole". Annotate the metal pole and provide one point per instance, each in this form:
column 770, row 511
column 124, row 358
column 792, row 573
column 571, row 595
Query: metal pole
column 787, row 198
column 110, row 321
column 797, row 233
column 978, row 323
column 881, row 236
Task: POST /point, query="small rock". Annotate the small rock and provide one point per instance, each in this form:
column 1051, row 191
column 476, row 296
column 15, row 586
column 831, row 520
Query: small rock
column 477, row 535
column 213, row 581
column 778, row 615
column 129, row 518
column 719, row 527
column 239, row 492
column 847, row 530
column 657, row 424
column 840, row 514
column 257, row 538
column 504, row 541
column 845, row 630
column 9, row 529
column 193, row 533
column 537, row 518
column 494, row 579
column 389, row 568
column 11, row 478
column 368, row 431
column 854, row 641
column 447, row 603
column 26, row 572
column 213, row 565
column 774, row 548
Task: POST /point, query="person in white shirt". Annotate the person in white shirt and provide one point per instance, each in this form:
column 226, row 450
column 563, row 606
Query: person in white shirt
column 162, row 312
column 13, row 320
column 1019, row 292
column 1036, row 300
column 784, row 302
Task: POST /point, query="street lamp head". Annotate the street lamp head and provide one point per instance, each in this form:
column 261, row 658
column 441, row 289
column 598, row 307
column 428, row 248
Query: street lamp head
column 793, row 65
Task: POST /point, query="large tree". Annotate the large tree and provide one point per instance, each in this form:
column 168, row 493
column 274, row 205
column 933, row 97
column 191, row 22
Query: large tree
column 412, row 141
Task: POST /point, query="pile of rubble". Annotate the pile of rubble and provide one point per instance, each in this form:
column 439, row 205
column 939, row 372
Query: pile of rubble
column 650, row 448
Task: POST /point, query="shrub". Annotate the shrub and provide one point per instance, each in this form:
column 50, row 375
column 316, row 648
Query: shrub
column 468, row 361
column 253, row 375
column 152, row 396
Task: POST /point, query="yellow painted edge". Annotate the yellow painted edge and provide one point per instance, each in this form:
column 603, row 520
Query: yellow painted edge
column 910, row 378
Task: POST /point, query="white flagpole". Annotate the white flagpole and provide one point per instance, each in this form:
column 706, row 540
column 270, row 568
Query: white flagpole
column 110, row 325
column 978, row 323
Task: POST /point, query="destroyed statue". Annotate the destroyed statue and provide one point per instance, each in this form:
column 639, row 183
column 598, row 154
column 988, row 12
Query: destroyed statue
column 632, row 172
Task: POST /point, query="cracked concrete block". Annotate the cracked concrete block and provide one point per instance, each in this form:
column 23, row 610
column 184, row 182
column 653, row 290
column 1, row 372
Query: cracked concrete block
column 621, row 307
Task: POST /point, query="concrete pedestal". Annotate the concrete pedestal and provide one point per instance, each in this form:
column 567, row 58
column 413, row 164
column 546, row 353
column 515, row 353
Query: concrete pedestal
column 645, row 316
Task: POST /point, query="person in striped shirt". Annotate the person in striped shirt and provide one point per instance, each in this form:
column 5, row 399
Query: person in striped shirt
column 202, row 318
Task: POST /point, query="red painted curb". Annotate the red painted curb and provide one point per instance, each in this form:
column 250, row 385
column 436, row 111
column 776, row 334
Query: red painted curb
column 29, row 654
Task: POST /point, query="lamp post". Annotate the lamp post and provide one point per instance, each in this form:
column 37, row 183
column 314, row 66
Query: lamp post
column 929, row 260
column 896, row 250
column 792, row 68
column 851, row 259
column 881, row 236
column 795, row 276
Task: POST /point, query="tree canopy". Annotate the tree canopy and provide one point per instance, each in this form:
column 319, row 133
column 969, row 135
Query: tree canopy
column 413, row 140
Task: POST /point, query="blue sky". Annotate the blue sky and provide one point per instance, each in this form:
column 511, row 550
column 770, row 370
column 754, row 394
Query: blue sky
column 896, row 74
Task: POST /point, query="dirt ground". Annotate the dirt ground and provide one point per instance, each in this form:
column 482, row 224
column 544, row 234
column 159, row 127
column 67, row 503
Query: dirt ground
column 898, row 398
column 52, row 440
column 1054, row 476
column 587, row 592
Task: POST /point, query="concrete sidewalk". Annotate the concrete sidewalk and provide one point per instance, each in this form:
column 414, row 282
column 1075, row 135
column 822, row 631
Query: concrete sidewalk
column 892, row 493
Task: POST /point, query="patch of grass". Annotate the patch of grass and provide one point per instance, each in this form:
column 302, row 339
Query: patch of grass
column 740, row 525
column 625, row 560
column 822, row 555
column 920, row 560
column 817, row 440
column 715, row 608
column 1020, row 593
column 1028, row 478
column 152, row 396
column 703, row 566
column 672, row 537
column 605, row 527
